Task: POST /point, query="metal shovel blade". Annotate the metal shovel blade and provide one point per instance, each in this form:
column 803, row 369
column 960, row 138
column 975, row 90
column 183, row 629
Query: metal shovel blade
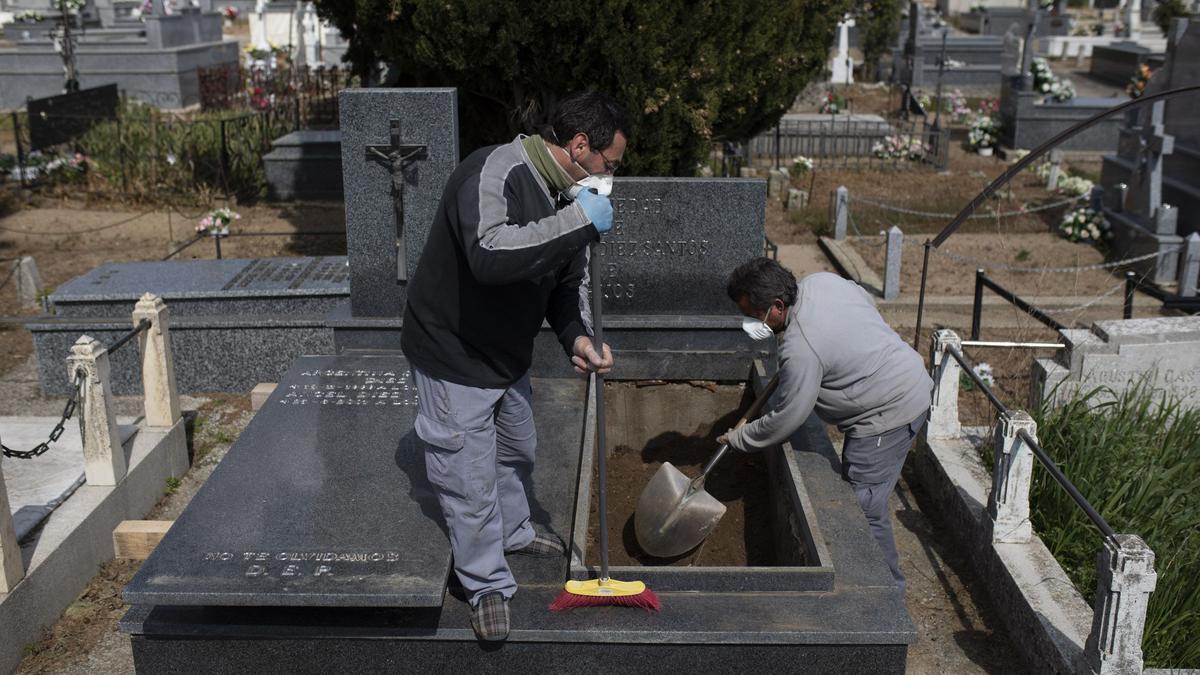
column 672, row 516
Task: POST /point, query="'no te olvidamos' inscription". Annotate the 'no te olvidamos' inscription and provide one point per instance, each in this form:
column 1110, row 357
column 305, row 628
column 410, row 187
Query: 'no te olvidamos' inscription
column 351, row 388
column 287, row 564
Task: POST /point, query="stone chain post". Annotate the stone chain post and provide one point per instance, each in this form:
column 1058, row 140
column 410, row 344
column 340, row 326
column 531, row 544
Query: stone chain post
column 891, row 263
column 943, row 412
column 841, row 211
column 103, row 456
column 1189, row 266
column 158, row 364
column 1012, row 475
column 29, row 282
column 1125, row 579
column 12, row 569
column 1055, row 170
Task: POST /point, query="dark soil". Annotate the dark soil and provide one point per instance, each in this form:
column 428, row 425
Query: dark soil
column 743, row 538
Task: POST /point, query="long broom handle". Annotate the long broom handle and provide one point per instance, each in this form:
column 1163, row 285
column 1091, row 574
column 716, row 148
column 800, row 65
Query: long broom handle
column 601, row 447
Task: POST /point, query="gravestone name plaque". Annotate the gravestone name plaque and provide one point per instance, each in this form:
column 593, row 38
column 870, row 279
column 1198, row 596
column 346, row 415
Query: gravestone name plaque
column 340, row 512
column 674, row 242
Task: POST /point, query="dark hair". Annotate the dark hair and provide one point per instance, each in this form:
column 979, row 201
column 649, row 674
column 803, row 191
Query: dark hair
column 590, row 112
column 761, row 281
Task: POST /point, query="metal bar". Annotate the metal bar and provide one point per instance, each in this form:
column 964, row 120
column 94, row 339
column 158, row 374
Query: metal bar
column 141, row 326
column 921, row 298
column 1130, row 288
column 977, row 308
column 1022, row 304
column 1024, row 345
column 16, row 119
column 1067, row 485
column 967, row 368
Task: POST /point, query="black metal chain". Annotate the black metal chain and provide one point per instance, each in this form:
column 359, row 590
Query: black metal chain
column 68, row 410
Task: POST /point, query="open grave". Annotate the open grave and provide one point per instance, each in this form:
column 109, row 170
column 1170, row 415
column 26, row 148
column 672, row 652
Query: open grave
column 317, row 543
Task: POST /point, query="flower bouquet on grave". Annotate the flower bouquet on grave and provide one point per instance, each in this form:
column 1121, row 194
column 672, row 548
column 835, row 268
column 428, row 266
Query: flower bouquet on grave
column 957, row 106
column 832, row 104
column 1074, row 186
column 1085, row 225
column 1137, row 83
column 900, row 146
column 216, row 223
column 983, row 134
column 801, row 165
column 229, row 12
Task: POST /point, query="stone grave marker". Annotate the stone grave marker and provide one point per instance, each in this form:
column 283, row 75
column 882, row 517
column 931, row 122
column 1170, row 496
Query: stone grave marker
column 1163, row 353
column 675, row 240
column 293, row 515
column 261, row 285
column 382, row 251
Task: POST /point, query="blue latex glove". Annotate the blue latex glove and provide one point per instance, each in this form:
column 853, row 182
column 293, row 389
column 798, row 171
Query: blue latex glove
column 597, row 209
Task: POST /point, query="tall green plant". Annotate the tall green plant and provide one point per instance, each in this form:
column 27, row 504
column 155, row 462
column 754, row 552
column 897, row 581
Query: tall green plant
column 690, row 73
column 1136, row 457
column 878, row 23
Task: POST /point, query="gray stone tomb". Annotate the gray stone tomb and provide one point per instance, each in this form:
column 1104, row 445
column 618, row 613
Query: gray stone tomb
column 316, row 541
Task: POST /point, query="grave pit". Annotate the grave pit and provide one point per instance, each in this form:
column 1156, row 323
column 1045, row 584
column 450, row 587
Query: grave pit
column 678, row 422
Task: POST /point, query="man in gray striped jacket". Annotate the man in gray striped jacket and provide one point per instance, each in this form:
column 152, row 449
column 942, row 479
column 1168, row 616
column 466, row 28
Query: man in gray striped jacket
column 507, row 249
column 839, row 358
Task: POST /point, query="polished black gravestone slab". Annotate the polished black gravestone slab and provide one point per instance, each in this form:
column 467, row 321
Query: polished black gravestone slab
column 322, row 501
column 674, row 242
column 858, row 626
column 306, row 285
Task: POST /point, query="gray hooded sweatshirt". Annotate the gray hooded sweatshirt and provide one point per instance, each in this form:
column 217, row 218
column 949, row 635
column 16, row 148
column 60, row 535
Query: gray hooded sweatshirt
column 839, row 357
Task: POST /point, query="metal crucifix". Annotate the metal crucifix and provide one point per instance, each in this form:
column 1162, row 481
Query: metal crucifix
column 398, row 157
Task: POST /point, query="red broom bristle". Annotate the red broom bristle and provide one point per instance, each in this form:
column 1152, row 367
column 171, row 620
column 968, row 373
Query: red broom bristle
column 646, row 600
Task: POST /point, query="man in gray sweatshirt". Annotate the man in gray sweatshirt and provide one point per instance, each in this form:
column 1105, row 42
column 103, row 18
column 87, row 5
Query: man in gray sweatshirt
column 838, row 357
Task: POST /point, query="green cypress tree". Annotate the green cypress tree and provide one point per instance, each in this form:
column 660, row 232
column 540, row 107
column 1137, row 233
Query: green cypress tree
column 689, row 72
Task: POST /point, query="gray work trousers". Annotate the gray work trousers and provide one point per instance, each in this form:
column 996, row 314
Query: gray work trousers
column 479, row 451
column 872, row 465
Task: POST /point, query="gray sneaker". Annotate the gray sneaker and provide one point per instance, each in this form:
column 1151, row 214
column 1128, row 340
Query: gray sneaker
column 490, row 618
column 544, row 545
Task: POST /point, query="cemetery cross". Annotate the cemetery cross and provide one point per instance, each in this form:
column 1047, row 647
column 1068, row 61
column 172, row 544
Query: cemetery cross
column 398, row 157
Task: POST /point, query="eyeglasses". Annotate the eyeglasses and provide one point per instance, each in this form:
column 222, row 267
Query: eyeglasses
column 609, row 165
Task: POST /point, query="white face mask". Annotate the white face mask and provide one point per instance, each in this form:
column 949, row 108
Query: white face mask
column 601, row 184
column 757, row 329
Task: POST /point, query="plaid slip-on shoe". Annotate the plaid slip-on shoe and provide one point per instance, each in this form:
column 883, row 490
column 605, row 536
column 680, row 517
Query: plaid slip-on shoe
column 544, row 545
column 490, row 618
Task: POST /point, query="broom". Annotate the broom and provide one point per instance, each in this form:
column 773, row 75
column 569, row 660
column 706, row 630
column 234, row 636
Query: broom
column 602, row 591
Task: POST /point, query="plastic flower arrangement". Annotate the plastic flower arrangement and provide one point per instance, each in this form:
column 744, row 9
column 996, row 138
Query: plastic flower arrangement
column 216, row 223
column 1074, row 185
column 957, row 105
column 983, row 371
column 900, row 146
column 801, row 165
column 229, row 12
column 1137, row 83
column 1050, row 85
column 983, row 132
column 1084, row 224
column 832, row 104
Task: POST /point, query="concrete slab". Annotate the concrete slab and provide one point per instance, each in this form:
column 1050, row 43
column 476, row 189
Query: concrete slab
column 37, row 486
column 63, row 555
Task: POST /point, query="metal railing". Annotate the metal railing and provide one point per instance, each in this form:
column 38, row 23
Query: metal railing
column 1040, row 453
column 1119, row 611
column 982, row 280
column 851, row 142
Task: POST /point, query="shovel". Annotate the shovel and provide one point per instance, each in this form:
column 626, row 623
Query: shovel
column 674, row 513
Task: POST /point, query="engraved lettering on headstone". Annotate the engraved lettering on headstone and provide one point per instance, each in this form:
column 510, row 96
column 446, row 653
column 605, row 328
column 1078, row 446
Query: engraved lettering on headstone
column 256, row 571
